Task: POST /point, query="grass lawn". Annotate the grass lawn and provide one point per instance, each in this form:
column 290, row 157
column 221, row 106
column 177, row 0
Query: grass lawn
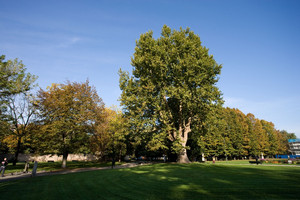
column 52, row 166
column 242, row 162
column 163, row 181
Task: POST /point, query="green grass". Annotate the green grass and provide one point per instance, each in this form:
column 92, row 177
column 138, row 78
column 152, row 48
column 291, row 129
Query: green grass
column 163, row 181
column 53, row 166
column 230, row 162
column 239, row 162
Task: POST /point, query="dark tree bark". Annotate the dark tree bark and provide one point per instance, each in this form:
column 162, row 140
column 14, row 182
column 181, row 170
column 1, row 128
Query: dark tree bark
column 64, row 161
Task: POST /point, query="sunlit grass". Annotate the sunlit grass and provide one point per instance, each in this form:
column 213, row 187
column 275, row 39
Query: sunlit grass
column 163, row 181
column 242, row 162
column 53, row 166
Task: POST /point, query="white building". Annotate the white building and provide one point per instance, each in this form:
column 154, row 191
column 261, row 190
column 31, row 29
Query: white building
column 294, row 146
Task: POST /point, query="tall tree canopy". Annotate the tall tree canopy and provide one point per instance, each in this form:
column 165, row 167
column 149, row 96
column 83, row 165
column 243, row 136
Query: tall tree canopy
column 171, row 90
column 69, row 112
column 15, row 99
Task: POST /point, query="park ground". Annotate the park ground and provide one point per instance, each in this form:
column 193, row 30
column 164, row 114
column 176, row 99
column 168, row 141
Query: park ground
column 223, row 180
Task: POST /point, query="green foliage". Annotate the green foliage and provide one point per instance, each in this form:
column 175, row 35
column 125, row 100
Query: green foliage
column 16, row 103
column 230, row 133
column 171, row 90
column 13, row 78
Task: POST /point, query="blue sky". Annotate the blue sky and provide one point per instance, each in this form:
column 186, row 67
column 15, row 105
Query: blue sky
column 257, row 42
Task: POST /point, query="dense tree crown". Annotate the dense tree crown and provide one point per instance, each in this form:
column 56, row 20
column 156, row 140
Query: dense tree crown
column 171, row 90
column 13, row 78
column 69, row 112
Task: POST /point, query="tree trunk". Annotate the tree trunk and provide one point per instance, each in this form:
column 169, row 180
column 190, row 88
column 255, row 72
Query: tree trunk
column 64, row 161
column 120, row 155
column 184, row 130
column 17, row 151
column 182, row 157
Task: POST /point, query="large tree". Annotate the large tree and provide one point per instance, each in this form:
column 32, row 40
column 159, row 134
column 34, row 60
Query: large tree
column 69, row 112
column 171, row 90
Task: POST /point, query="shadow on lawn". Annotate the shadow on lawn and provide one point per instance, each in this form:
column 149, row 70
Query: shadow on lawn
column 163, row 181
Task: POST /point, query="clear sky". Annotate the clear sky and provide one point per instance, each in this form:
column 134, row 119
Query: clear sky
column 257, row 42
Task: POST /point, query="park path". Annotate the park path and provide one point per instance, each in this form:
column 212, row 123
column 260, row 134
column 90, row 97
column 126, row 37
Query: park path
column 21, row 175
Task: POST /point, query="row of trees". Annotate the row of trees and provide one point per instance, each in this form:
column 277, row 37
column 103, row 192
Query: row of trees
column 229, row 133
column 64, row 118
column 171, row 105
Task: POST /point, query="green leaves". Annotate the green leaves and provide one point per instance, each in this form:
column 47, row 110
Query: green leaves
column 228, row 132
column 13, row 78
column 173, row 84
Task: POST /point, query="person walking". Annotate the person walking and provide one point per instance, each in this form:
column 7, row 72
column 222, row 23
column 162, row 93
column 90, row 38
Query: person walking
column 4, row 163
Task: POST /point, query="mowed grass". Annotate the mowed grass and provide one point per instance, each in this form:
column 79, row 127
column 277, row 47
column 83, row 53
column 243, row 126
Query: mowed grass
column 163, row 181
column 54, row 166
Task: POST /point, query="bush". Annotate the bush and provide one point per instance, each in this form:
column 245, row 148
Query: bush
column 281, row 161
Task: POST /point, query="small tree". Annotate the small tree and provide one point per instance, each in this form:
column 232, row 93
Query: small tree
column 101, row 136
column 109, row 136
column 69, row 112
column 171, row 90
column 22, row 114
column 16, row 100
column 118, row 132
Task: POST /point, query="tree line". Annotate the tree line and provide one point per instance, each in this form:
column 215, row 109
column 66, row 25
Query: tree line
column 170, row 106
column 64, row 118
column 228, row 133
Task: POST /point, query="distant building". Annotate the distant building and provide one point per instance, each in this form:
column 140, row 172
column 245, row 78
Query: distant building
column 294, row 146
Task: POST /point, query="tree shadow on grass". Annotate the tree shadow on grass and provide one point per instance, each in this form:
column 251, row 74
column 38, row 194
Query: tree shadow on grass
column 194, row 181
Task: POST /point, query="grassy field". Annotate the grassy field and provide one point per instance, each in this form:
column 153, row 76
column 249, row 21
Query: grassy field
column 52, row 166
column 163, row 181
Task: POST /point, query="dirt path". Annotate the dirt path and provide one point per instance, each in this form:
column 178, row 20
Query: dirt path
column 20, row 175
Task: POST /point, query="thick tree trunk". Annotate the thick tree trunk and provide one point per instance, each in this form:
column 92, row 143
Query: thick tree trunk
column 64, row 161
column 17, row 152
column 182, row 157
column 184, row 130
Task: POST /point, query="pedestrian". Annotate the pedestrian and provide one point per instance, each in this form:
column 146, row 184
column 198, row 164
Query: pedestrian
column 4, row 163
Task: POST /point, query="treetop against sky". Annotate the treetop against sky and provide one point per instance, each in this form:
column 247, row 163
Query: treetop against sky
column 255, row 41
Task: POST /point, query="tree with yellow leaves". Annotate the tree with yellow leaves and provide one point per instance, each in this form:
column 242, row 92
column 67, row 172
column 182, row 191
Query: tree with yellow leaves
column 69, row 113
column 108, row 139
